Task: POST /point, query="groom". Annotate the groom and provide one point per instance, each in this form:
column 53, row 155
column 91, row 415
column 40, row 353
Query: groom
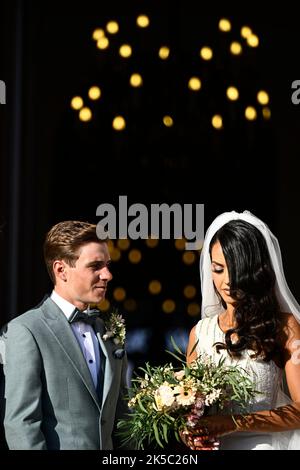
column 65, row 385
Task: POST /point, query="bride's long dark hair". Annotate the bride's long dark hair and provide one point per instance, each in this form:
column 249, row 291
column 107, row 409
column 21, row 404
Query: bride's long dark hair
column 252, row 281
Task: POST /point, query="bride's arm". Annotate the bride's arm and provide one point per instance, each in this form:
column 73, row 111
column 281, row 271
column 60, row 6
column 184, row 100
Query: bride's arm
column 283, row 418
column 191, row 345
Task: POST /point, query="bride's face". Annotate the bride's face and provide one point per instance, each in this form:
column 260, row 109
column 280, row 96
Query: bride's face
column 220, row 273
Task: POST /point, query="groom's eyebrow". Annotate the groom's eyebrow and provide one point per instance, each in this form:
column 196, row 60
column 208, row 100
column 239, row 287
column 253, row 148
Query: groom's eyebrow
column 98, row 263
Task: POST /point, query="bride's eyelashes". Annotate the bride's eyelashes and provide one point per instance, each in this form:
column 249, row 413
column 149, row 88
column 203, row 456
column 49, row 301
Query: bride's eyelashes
column 217, row 269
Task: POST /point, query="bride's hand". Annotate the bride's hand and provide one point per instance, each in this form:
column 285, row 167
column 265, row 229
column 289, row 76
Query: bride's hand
column 205, row 435
column 216, row 425
column 198, row 442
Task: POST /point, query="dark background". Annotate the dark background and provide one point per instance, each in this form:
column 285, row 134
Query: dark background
column 55, row 167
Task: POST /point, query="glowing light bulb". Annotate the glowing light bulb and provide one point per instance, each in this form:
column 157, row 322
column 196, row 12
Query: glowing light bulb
column 94, row 93
column 135, row 256
column 217, row 121
column 266, row 113
column 136, row 80
column 246, row 32
column 252, row 40
column 112, row 27
column 206, row 53
column 119, row 294
column 164, row 52
column 232, row 93
column 119, row 123
column 224, row 25
column 168, row 306
column 250, row 113
column 263, row 97
column 98, row 33
column 194, row 83
column 235, row 48
column 143, row 21
column 77, row 102
column 155, row 287
column 103, row 43
column 85, row 114
column 125, row 51
column 168, row 121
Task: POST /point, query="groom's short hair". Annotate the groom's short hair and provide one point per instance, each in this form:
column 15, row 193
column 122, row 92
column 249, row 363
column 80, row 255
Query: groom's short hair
column 63, row 241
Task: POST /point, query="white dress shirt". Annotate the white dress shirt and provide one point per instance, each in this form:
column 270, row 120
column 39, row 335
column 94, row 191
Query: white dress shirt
column 85, row 336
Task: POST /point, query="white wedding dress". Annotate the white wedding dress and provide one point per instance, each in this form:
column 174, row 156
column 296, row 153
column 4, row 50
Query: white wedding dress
column 266, row 376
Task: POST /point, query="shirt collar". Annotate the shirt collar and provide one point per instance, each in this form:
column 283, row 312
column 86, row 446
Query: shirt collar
column 63, row 304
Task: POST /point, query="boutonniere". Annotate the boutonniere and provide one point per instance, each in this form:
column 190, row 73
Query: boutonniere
column 115, row 327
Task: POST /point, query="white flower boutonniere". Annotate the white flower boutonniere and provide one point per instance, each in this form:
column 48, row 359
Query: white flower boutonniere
column 115, row 327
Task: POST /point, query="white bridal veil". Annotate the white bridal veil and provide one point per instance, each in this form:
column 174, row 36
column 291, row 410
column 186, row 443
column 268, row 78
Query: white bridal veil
column 211, row 305
column 210, row 301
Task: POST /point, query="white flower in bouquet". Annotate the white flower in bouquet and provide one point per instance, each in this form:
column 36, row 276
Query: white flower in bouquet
column 165, row 401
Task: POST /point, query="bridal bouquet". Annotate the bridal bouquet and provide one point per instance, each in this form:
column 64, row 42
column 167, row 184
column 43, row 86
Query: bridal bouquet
column 166, row 400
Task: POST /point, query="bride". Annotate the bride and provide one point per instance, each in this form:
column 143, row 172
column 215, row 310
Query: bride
column 250, row 318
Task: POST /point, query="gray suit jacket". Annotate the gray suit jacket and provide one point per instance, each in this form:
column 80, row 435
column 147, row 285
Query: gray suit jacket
column 51, row 401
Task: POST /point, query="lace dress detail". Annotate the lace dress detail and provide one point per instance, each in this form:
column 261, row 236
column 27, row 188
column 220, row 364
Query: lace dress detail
column 266, row 376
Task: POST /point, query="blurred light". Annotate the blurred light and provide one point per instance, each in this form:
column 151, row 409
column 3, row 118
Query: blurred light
column 193, row 309
column 125, row 51
column 154, row 287
column 224, row 25
column 164, row 52
column 104, row 305
column 180, row 244
column 252, row 40
column 85, row 114
column 168, row 121
column 235, row 48
column 110, row 245
column 115, row 254
column 130, row 305
column 180, row 336
column 217, row 121
column 246, row 32
column 232, row 93
column 103, row 43
column 142, row 21
column 135, row 256
column 76, row 102
column 119, row 123
column 206, row 53
column 263, row 97
column 119, row 294
column 138, row 340
column 98, row 33
column 250, row 113
column 136, row 80
column 151, row 242
column 189, row 292
column 189, row 257
column 266, row 112
column 112, row 27
column 194, row 83
column 123, row 243
column 168, row 306
column 94, row 93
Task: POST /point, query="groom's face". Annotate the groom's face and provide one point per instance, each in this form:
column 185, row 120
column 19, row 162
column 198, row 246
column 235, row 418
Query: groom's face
column 86, row 282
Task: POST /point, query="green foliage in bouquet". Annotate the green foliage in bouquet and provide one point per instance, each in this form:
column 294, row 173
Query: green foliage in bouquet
column 166, row 399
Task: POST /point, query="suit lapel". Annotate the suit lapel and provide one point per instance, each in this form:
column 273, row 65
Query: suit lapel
column 58, row 325
column 107, row 349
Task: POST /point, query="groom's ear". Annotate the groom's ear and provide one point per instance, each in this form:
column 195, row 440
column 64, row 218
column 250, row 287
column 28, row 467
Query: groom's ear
column 59, row 269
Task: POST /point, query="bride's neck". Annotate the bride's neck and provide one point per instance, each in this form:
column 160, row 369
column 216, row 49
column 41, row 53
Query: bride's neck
column 228, row 317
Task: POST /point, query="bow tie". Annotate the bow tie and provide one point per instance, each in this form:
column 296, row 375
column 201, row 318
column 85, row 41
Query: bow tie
column 87, row 316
